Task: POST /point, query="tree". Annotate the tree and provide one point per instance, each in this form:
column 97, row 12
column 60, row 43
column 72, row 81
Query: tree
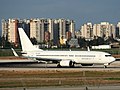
column 5, row 43
column 97, row 41
column 0, row 41
column 82, row 42
column 110, row 40
column 93, row 42
column 100, row 41
column 33, row 40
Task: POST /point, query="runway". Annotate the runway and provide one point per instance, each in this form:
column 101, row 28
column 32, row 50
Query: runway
column 33, row 65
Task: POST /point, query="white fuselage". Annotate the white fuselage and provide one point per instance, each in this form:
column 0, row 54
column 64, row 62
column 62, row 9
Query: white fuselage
column 82, row 57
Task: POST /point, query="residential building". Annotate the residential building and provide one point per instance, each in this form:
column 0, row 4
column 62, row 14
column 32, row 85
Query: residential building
column 72, row 28
column 104, row 29
column 118, row 29
column 62, row 28
column 37, row 29
column 12, row 31
column 5, row 29
column 51, row 28
column 57, row 29
column 44, row 30
column 97, row 32
column 56, row 32
column 87, row 31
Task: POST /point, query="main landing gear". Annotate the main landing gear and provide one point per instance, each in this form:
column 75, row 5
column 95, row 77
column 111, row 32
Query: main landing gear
column 105, row 66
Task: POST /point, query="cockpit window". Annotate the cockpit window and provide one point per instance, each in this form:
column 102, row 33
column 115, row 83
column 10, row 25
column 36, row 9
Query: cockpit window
column 107, row 55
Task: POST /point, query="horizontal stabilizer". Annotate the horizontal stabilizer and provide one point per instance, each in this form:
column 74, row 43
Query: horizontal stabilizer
column 15, row 54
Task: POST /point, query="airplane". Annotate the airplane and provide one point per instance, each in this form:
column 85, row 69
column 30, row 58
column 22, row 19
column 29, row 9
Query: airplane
column 63, row 58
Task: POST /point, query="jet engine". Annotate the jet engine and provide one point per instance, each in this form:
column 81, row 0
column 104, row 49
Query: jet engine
column 66, row 63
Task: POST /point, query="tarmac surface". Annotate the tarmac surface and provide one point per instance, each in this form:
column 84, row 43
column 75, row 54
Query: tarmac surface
column 26, row 65
column 34, row 65
column 68, row 88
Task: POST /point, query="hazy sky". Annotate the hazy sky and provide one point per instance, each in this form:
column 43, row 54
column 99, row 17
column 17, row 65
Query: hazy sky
column 81, row 11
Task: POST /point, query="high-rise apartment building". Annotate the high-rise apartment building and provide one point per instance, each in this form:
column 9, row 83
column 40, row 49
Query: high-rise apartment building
column 72, row 28
column 51, row 28
column 66, row 27
column 86, row 31
column 104, row 29
column 44, row 30
column 12, row 31
column 36, row 30
column 97, row 32
column 40, row 27
column 4, row 29
column 56, row 32
column 57, row 29
column 118, row 30
column 62, row 28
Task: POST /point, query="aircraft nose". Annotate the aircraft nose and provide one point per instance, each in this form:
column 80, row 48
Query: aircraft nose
column 112, row 59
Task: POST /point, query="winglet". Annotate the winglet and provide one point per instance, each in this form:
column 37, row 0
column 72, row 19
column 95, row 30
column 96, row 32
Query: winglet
column 88, row 48
column 14, row 52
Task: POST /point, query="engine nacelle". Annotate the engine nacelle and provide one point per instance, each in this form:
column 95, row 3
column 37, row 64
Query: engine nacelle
column 66, row 63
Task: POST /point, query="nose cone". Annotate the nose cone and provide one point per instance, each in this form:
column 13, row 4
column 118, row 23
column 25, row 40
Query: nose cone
column 112, row 59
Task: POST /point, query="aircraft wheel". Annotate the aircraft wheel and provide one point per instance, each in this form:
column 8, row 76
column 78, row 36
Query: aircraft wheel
column 105, row 66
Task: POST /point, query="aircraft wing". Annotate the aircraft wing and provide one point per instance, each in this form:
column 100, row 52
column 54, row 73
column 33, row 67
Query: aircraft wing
column 48, row 60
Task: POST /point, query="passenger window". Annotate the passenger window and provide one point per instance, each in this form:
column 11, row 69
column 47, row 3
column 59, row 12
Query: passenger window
column 71, row 55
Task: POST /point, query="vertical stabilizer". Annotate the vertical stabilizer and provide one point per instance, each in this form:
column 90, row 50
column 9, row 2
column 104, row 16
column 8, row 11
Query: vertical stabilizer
column 25, row 41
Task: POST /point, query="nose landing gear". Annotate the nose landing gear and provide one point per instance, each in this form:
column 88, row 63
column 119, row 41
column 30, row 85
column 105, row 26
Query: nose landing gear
column 105, row 65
